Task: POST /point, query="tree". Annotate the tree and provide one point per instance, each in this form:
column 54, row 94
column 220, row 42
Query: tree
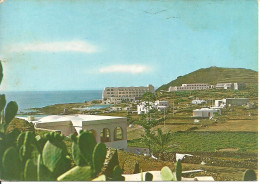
column 147, row 123
column 160, row 142
column 148, row 97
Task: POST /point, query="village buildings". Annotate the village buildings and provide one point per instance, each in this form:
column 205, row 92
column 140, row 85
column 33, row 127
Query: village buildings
column 145, row 107
column 204, row 86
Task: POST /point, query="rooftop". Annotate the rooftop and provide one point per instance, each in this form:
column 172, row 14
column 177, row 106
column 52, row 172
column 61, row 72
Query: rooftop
column 76, row 119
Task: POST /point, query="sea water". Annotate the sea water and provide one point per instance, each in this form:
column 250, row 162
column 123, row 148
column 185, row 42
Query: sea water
column 37, row 99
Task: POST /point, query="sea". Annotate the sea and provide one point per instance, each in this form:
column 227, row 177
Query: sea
column 36, row 99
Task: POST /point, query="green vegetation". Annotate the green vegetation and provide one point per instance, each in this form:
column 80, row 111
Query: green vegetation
column 178, row 170
column 215, row 75
column 209, row 141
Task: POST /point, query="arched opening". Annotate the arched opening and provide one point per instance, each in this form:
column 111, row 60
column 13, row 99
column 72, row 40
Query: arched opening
column 118, row 133
column 105, row 135
column 94, row 133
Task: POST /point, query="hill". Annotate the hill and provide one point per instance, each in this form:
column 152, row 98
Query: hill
column 214, row 75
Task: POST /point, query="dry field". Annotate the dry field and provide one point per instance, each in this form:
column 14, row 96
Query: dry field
column 233, row 125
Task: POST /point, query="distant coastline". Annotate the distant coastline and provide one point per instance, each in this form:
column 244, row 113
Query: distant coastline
column 37, row 99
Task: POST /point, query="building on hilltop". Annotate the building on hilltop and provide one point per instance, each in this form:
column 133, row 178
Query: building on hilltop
column 113, row 95
column 188, row 87
column 234, row 86
column 110, row 130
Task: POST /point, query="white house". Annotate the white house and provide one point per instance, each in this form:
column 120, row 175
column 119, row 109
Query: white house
column 205, row 112
column 198, row 102
column 161, row 105
column 144, row 107
column 220, row 103
column 231, row 102
column 110, row 130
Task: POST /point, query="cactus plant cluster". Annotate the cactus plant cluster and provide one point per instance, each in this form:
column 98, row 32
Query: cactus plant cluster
column 46, row 158
column 26, row 157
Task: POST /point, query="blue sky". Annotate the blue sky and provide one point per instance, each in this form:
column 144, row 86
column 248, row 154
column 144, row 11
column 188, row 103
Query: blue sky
column 78, row 45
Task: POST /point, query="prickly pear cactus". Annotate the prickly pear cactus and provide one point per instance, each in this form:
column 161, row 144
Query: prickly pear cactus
column 77, row 155
column 12, row 167
column 117, row 174
column 20, row 139
column 54, row 158
column 100, row 178
column 10, row 111
column 77, row 173
column 98, row 157
column 43, row 174
column 30, row 171
column 166, row 174
column 40, row 142
column 27, row 147
column 178, row 170
column 86, row 142
column 82, row 148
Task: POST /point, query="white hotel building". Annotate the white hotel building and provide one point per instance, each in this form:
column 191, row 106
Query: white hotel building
column 112, row 95
column 188, row 87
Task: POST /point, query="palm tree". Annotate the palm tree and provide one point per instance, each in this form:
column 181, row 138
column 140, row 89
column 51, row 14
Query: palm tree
column 160, row 142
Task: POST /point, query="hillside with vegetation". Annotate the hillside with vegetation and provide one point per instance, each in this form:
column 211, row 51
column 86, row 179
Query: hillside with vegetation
column 214, row 75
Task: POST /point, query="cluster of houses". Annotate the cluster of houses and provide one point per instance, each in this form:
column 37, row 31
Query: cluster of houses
column 219, row 104
column 145, row 107
column 205, row 86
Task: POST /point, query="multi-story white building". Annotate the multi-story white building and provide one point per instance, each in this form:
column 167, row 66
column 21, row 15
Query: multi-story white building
column 188, row 87
column 224, row 85
column 112, row 95
column 234, row 86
